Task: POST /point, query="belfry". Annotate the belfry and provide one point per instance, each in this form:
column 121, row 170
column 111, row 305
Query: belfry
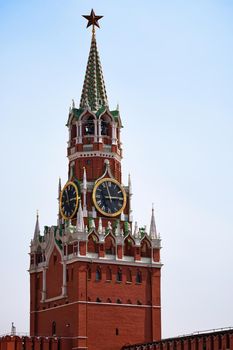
column 94, row 276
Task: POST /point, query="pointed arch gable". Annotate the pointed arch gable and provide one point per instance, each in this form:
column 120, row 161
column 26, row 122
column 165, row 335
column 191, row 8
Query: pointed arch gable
column 110, row 244
column 92, row 243
column 86, row 114
column 129, row 245
column 145, row 247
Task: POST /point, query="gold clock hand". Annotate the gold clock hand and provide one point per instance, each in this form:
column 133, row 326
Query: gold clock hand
column 108, row 193
column 67, row 196
column 119, row 198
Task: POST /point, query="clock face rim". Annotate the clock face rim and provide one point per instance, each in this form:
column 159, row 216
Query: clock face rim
column 77, row 200
column 98, row 183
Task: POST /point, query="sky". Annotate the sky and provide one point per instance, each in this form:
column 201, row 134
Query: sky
column 169, row 66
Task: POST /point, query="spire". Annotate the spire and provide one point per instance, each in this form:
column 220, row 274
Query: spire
column 80, row 222
column 59, row 188
column 37, row 227
column 84, row 179
column 100, row 227
column 153, row 230
column 93, row 93
column 129, row 185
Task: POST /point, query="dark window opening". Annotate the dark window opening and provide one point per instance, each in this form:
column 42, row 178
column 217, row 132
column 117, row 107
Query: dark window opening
column 139, row 302
column 139, row 277
column 117, row 331
column 53, row 328
column 119, row 301
column 119, row 275
column 109, row 300
column 104, row 127
column 98, row 275
column 89, row 128
column 98, row 300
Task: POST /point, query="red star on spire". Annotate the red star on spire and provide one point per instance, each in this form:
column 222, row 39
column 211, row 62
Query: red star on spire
column 92, row 19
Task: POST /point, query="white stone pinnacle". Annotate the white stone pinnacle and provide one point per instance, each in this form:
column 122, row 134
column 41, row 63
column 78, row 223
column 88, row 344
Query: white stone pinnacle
column 80, row 222
column 153, row 230
column 37, row 227
column 84, row 179
column 100, row 227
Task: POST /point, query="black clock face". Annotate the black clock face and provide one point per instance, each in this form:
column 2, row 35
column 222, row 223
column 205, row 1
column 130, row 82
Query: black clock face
column 109, row 197
column 69, row 200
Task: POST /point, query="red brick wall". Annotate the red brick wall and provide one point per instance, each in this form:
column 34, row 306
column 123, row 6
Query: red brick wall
column 95, row 308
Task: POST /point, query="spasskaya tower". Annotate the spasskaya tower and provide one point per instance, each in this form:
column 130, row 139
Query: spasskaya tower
column 94, row 278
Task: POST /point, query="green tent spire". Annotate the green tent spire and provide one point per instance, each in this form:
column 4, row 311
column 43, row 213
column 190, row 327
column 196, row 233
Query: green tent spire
column 93, row 93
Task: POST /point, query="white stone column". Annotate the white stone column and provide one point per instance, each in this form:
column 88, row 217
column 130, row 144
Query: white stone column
column 79, row 131
column 95, row 130
column 64, row 287
column 43, row 284
column 114, row 139
column 99, row 131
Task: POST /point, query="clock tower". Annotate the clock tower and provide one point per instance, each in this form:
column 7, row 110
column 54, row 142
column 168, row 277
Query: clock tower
column 94, row 278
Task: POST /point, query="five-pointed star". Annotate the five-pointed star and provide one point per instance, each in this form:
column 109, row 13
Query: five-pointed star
column 92, row 19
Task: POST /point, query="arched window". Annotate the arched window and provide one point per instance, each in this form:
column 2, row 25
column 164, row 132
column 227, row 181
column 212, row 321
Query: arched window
column 89, row 127
column 119, row 301
column 129, row 301
column 139, row 277
column 53, row 328
column 98, row 300
column 110, row 246
column 119, row 275
column 109, row 300
column 139, row 302
column 98, row 274
column 108, row 274
column 146, row 248
column 92, row 245
column 129, row 276
column 104, row 128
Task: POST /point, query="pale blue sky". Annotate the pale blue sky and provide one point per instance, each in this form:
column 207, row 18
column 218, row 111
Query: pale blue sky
column 169, row 66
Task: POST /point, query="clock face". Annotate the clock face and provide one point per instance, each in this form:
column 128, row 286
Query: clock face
column 69, row 200
column 109, row 197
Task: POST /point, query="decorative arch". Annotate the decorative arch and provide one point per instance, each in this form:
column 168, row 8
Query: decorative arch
column 145, row 248
column 129, row 246
column 110, row 244
column 88, row 124
column 92, row 244
column 105, row 124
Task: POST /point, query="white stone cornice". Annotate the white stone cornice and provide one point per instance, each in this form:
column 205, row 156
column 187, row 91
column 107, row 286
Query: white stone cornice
column 90, row 154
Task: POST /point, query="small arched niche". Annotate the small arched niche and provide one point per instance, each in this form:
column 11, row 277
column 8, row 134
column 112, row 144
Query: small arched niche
column 110, row 245
column 145, row 248
column 92, row 244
